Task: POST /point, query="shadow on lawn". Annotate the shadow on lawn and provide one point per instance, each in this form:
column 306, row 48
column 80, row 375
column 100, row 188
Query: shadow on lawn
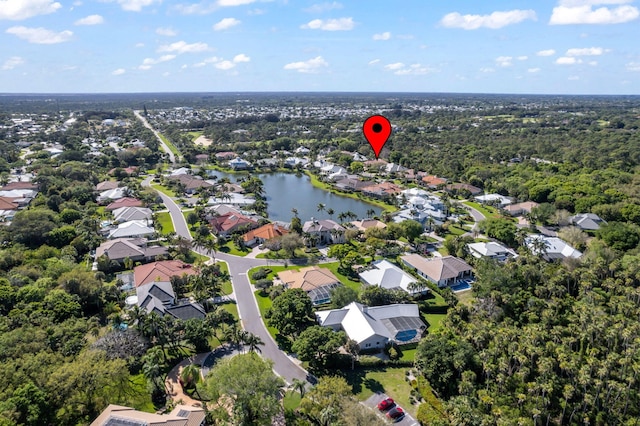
column 358, row 380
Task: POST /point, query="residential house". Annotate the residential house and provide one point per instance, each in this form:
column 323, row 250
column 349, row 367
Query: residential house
column 326, row 230
column 491, row 250
column 462, row 187
column 494, row 199
column 21, row 197
column 232, row 199
column 135, row 249
column 125, row 214
column 433, row 181
column 394, row 168
column 520, row 209
column 227, row 223
column 292, row 162
column 374, row 327
column 315, row 281
column 181, row 415
column 191, row 183
column 550, row 248
column 107, row 185
column 112, row 194
column 225, row 155
column 352, row 183
column 129, row 171
column 382, row 190
column 387, row 275
column 364, row 224
column 133, row 228
column 8, row 209
column 239, row 164
column 159, row 297
column 124, row 202
column 443, row 271
column 262, row 234
column 161, row 271
column 587, row 221
column 180, row 172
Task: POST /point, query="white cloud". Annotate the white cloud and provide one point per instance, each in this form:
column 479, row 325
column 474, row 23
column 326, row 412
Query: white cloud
column 323, row 7
column 383, row 36
column 373, row 62
column 523, row 58
column 573, row 78
column 568, row 60
column 588, row 51
column 119, row 71
column 533, row 70
column 494, row 21
column 135, row 5
column 40, row 35
column 184, row 47
column 167, row 32
column 12, row 62
column 340, row 24
column 225, row 65
column 211, row 60
column 570, row 12
column 487, row 70
column 241, row 58
column 225, row 24
column 225, row 3
column 311, row 66
column 148, row 62
column 90, row 20
column 139, row 45
column 395, row 66
column 504, row 61
column 256, row 12
column 17, row 10
column 633, row 66
column 414, row 69
column 548, row 52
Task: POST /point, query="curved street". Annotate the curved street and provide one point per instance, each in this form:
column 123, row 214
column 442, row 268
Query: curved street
column 250, row 317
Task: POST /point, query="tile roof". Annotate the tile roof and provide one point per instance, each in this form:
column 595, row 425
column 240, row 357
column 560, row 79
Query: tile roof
column 308, row 278
column 438, row 268
column 124, row 202
column 265, row 232
column 161, row 271
column 7, row 204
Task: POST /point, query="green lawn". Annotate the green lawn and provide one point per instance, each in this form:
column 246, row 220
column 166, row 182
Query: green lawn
column 435, row 321
column 408, row 355
column 264, row 303
column 465, row 297
column 456, row 231
column 230, row 248
column 194, row 135
column 163, row 189
column 164, row 218
column 274, row 270
column 291, row 400
column 171, row 146
column 485, row 210
column 390, row 380
column 227, row 288
column 333, row 267
column 232, row 308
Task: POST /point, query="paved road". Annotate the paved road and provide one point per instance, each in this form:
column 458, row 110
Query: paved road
column 243, row 290
column 164, row 146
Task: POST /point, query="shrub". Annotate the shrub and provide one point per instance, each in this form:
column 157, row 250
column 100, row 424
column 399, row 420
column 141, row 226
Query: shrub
column 260, row 274
column 264, row 284
column 369, row 361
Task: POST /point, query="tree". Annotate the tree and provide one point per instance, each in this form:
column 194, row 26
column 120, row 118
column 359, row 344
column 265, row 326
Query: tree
column 353, row 349
column 574, row 236
column 190, row 376
column 253, row 342
column 411, row 229
column 192, row 219
column 378, row 296
column 619, row 235
column 330, row 392
column 252, row 386
column 300, row 386
column 296, row 225
column 501, row 229
column 291, row 312
column 290, row 242
column 341, row 296
column 318, row 345
column 321, row 207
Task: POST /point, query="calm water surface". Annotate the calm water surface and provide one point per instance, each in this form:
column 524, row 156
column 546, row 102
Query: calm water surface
column 286, row 191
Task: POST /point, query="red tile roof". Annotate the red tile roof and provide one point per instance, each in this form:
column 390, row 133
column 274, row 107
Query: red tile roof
column 265, row 232
column 7, row 204
column 161, row 271
column 230, row 221
column 124, row 202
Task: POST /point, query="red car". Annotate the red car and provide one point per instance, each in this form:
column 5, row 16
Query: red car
column 386, row 404
column 396, row 413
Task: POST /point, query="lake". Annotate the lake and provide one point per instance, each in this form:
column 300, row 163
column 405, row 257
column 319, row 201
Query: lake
column 285, row 191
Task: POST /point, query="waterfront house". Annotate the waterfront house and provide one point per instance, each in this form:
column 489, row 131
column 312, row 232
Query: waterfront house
column 443, row 271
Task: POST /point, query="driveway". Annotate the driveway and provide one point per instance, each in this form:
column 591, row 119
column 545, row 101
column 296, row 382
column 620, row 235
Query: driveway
column 373, row 401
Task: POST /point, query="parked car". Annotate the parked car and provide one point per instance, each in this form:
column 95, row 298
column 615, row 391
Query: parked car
column 386, row 404
column 396, row 413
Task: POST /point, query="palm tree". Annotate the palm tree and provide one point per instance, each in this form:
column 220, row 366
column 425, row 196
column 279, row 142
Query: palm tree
column 294, row 211
column 351, row 215
column 253, row 342
column 321, row 207
column 371, row 213
column 330, row 212
column 190, row 377
column 342, row 216
column 300, row 386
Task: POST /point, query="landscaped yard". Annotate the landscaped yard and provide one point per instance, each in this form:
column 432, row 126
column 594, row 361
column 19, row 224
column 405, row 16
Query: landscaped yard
column 163, row 189
column 264, row 303
column 390, row 380
column 485, row 210
column 230, row 248
column 232, row 308
column 164, row 219
column 171, row 146
column 291, row 400
column 465, row 297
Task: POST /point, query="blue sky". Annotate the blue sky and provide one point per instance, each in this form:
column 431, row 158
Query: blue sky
column 517, row 46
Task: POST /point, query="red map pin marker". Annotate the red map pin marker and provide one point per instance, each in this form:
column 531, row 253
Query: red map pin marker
column 377, row 130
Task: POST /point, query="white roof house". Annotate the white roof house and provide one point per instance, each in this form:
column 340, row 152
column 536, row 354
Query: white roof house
column 491, row 250
column 387, row 275
column 232, row 199
column 494, row 198
column 126, row 214
column 587, row 221
column 133, row 228
column 112, row 194
column 374, row 327
column 554, row 249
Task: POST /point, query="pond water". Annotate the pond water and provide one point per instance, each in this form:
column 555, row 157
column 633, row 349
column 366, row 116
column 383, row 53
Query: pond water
column 285, row 191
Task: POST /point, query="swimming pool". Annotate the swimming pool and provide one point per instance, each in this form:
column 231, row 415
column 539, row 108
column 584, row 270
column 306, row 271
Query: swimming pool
column 461, row 285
